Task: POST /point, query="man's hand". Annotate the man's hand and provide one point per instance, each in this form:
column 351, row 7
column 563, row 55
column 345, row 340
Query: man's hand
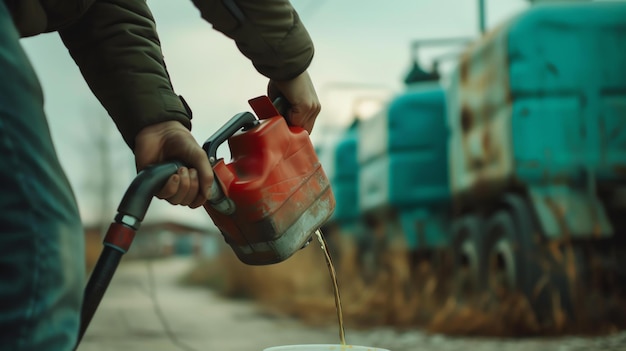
column 171, row 141
column 300, row 92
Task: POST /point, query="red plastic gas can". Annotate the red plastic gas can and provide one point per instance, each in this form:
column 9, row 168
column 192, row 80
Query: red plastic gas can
column 277, row 190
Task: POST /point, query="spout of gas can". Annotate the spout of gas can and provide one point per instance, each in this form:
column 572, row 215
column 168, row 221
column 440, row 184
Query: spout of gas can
column 219, row 201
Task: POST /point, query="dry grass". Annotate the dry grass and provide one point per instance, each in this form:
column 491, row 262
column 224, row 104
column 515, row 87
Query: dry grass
column 397, row 296
column 93, row 247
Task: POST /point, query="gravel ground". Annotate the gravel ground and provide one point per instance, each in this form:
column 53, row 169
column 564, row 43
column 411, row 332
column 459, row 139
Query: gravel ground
column 194, row 319
column 416, row 340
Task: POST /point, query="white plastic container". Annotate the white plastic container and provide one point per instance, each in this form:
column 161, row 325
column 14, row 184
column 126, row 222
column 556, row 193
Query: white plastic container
column 323, row 347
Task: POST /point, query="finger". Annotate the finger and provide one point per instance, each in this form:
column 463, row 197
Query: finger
column 309, row 122
column 192, row 193
column 308, row 125
column 183, row 187
column 200, row 162
column 198, row 201
column 305, row 116
column 300, row 121
column 170, row 188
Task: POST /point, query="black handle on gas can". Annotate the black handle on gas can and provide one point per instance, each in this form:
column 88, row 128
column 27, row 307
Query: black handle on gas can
column 243, row 120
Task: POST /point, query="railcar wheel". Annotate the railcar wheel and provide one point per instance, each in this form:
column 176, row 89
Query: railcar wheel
column 502, row 260
column 368, row 257
column 518, row 260
column 467, row 254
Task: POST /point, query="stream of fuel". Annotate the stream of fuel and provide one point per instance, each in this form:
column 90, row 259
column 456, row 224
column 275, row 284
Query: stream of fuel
column 333, row 276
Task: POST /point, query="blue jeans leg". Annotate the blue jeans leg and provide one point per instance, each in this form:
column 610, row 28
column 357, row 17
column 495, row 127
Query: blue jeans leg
column 42, row 262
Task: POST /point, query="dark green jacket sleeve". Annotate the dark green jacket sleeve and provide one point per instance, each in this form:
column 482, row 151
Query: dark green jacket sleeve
column 268, row 32
column 116, row 47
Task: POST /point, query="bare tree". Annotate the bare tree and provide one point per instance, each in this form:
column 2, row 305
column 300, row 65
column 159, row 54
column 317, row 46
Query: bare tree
column 106, row 165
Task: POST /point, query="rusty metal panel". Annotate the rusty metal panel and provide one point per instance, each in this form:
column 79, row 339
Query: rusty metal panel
column 541, row 101
column 549, row 140
column 403, row 151
column 567, row 74
column 567, row 213
column 480, row 117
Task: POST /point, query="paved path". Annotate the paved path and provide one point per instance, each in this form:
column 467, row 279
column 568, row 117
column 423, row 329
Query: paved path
column 198, row 320
column 128, row 319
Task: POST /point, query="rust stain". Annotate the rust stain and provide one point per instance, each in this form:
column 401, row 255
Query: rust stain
column 464, row 67
column 542, row 283
column 481, row 187
column 559, row 214
column 483, row 99
column 597, row 230
column 555, row 250
column 467, row 119
column 477, row 164
column 620, row 169
column 486, row 143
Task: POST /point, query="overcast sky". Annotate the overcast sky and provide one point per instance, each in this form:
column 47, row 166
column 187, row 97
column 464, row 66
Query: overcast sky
column 359, row 42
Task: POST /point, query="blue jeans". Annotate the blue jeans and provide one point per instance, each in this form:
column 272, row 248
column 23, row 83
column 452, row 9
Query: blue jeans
column 42, row 261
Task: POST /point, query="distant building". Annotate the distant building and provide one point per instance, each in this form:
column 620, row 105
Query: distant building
column 160, row 239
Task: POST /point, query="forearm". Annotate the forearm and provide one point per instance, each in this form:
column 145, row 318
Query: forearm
column 117, row 49
column 268, row 32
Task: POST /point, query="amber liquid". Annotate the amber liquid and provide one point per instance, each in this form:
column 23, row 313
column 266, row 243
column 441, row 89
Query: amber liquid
column 333, row 277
